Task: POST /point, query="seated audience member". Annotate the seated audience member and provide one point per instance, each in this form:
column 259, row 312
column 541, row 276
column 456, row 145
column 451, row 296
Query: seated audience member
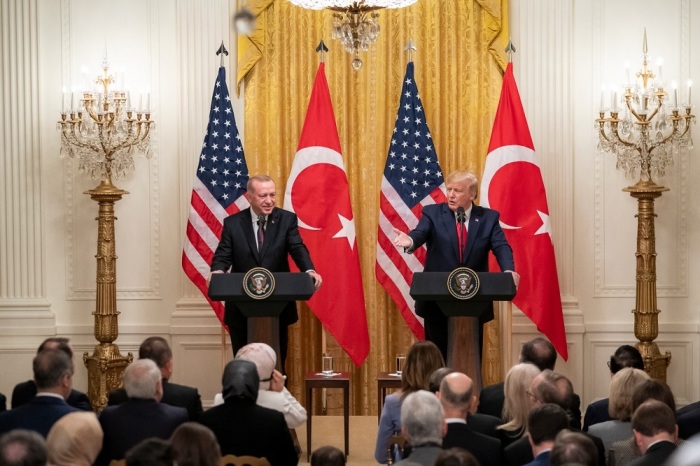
column 327, row 456
column 151, row 452
column 142, row 416
column 273, row 394
column 422, row 360
column 243, row 428
column 157, row 350
column 53, row 376
column 540, row 352
column 22, row 447
column 456, row 457
column 25, row 391
column 573, row 448
column 655, row 432
column 455, row 395
column 688, row 418
column 74, row 440
column 516, row 405
column 687, row 454
column 625, row 356
column 544, row 423
column 622, row 387
column 423, row 425
column 626, row 451
column 195, row 445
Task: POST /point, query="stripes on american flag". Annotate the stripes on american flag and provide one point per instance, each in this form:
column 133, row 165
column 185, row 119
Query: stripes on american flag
column 218, row 191
column 412, row 179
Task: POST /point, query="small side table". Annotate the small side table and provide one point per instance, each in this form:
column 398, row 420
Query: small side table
column 385, row 381
column 315, row 380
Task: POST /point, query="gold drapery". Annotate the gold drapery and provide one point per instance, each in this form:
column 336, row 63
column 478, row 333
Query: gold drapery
column 458, row 69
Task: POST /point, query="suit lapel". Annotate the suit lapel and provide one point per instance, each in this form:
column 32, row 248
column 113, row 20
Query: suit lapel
column 450, row 226
column 474, row 224
column 248, row 232
column 271, row 229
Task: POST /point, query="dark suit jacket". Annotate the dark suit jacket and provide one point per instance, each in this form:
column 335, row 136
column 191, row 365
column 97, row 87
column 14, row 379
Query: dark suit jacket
column 484, row 424
column 127, row 424
column 3, row 402
column 244, row 428
column 25, row 391
column 519, row 452
column 541, row 460
column 39, row 414
column 173, row 394
column 656, row 455
column 239, row 251
column 424, row 455
column 437, row 228
column 484, row 448
column 688, row 419
column 596, row 413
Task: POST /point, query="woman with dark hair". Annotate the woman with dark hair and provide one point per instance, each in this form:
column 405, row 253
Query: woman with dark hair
column 195, row 445
column 422, row 360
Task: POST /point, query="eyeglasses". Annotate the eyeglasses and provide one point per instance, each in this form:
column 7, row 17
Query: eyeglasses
column 534, row 398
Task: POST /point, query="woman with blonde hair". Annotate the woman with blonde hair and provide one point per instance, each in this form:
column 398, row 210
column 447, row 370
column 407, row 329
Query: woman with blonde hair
column 74, row 440
column 422, row 360
column 516, row 404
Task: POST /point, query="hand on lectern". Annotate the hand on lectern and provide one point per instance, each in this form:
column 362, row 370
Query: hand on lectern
column 402, row 239
column 212, row 273
column 317, row 279
column 516, row 277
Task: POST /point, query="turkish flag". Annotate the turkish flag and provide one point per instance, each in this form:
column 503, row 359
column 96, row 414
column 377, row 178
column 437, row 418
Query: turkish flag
column 317, row 191
column 512, row 184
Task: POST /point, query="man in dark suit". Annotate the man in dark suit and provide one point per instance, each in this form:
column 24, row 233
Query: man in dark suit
column 688, row 418
column 655, row 432
column 543, row 424
column 458, row 233
column 142, row 416
column 53, row 375
column 540, row 352
column 455, row 395
column 243, row 428
column 25, row 391
column 157, row 350
column 261, row 236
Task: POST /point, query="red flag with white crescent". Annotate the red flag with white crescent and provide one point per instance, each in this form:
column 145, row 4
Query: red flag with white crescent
column 512, row 184
column 317, row 191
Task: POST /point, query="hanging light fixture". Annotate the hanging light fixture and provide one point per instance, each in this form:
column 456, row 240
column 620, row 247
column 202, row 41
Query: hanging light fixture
column 355, row 23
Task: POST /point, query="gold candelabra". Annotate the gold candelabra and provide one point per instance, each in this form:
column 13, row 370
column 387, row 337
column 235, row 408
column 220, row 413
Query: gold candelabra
column 103, row 132
column 645, row 134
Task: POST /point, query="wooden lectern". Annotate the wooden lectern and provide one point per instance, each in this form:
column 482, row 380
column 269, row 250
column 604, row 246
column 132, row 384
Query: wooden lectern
column 463, row 352
column 263, row 314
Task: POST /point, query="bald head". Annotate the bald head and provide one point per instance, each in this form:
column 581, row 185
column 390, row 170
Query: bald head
column 455, row 394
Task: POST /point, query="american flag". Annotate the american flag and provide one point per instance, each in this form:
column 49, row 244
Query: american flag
column 412, row 179
column 218, row 191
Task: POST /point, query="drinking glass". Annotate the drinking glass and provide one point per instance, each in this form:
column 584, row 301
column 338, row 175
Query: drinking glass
column 327, row 364
column 400, row 362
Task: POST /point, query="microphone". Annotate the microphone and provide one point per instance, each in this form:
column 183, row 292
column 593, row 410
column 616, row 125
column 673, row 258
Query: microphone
column 461, row 216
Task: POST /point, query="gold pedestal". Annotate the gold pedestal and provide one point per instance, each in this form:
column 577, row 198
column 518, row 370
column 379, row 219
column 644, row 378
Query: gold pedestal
column 646, row 314
column 106, row 365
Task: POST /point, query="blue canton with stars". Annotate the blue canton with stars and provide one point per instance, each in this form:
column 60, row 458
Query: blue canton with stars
column 412, row 167
column 222, row 166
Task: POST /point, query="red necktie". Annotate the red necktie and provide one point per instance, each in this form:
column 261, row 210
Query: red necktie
column 461, row 239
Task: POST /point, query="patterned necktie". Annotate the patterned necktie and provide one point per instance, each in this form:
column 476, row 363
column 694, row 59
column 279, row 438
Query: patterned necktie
column 261, row 231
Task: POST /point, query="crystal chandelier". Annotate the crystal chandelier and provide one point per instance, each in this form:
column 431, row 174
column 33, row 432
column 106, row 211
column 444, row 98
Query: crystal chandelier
column 104, row 128
column 355, row 23
column 645, row 129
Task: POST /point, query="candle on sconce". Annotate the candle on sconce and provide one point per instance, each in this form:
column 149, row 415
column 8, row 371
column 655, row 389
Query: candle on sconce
column 63, row 100
column 674, row 85
column 148, row 102
column 602, row 98
column 128, row 100
column 140, row 100
column 659, row 62
column 72, row 98
column 613, row 100
column 690, row 85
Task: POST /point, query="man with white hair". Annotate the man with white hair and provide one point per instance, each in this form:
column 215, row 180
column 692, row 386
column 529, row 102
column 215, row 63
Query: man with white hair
column 142, row 417
column 423, row 425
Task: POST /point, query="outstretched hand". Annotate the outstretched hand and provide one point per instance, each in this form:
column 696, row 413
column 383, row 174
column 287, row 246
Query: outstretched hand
column 402, row 239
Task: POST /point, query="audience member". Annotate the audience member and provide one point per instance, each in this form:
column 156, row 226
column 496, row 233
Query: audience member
column 516, row 405
column 544, row 423
column 256, row 431
column 25, row 391
column 273, row 394
column 327, row 456
column 624, row 452
column 422, row 360
column 74, row 440
column 151, row 452
column 53, row 378
column 655, row 432
column 625, row 356
column 455, row 395
column 456, row 457
column 622, row 387
column 195, row 445
column 142, row 416
column 22, row 447
column 573, row 448
column 687, row 454
column 688, row 418
column 423, row 425
column 158, row 350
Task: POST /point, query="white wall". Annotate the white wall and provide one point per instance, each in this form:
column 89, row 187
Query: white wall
column 566, row 50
